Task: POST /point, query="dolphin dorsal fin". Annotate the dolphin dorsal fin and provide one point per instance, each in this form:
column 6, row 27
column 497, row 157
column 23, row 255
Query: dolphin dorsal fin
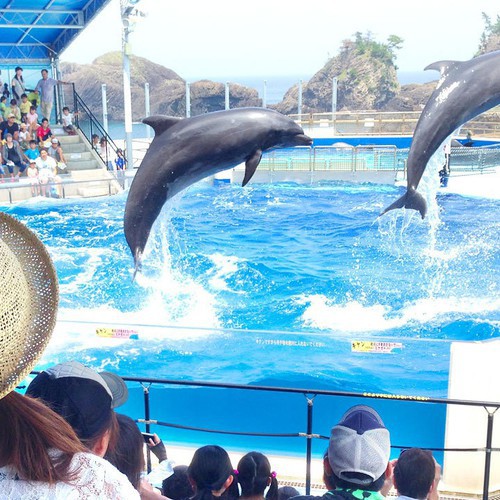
column 442, row 66
column 160, row 123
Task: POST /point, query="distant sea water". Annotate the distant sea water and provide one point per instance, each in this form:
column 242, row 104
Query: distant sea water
column 276, row 88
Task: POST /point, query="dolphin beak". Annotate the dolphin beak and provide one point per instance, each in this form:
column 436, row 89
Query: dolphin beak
column 303, row 140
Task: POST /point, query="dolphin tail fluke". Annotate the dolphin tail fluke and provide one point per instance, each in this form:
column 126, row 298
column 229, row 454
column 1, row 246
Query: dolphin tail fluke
column 412, row 199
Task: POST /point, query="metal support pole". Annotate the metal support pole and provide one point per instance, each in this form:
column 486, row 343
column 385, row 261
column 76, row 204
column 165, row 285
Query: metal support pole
column 127, row 99
column 264, row 95
column 487, row 458
column 310, row 402
column 104, row 108
column 148, row 427
column 226, row 96
column 299, row 101
column 188, row 100
column 147, row 107
column 334, row 102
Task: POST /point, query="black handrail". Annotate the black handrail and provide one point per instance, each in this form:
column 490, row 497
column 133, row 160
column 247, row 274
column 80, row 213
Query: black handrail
column 95, row 127
column 488, row 449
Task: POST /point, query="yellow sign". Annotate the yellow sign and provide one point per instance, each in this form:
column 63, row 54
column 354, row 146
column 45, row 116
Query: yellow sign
column 371, row 346
column 117, row 333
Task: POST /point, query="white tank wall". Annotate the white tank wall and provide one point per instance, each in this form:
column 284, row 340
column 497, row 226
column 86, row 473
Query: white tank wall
column 474, row 375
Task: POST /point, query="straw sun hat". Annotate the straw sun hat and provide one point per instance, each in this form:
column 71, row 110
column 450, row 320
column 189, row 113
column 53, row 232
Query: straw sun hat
column 28, row 302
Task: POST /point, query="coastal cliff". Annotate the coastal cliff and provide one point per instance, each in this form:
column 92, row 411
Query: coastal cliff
column 166, row 88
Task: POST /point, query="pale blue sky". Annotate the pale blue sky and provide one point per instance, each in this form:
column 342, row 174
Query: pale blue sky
column 231, row 38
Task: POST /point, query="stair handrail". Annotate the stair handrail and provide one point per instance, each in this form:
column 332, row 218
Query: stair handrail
column 95, row 126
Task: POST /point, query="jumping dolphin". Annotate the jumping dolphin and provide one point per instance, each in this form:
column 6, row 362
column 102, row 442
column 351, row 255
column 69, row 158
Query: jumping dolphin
column 187, row 150
column 465, row 90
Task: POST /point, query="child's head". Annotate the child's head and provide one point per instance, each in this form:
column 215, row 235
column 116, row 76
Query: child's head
column 32, row 144
column 23, row 126
column 45, row 123
column 24, row 97
column 13, row 102
column 32, row 110
column 32, row 164
column 3, row 99
column 66, row 110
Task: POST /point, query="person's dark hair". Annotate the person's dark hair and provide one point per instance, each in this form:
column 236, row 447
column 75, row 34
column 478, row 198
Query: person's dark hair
column 209, row 470
column 65, row 108
column 24, row 95
column 28, row 430
column 13, row 101
column 111, row 426
column 177, row 486
column 128, row 455
column 3, row 98
column 32, row 141
column 254, row 476
column 344, row 484
column 414, row 473
column 286, row 492
column 33, row 107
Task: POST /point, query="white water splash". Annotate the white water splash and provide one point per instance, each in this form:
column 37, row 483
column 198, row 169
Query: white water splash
column 353, row 316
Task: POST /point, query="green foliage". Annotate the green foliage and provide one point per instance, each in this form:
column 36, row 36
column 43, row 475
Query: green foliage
column 385, row 52
column 490, row 29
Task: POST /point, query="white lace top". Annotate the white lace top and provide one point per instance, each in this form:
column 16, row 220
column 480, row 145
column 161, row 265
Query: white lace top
column 96, row 479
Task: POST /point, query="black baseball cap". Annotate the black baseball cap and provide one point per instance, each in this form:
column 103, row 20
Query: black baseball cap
column 82, row 396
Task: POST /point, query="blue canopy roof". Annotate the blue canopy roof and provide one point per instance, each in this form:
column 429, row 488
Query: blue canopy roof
column 34, row 32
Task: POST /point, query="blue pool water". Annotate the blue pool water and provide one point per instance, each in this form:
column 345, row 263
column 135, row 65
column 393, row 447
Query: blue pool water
column 270, row 285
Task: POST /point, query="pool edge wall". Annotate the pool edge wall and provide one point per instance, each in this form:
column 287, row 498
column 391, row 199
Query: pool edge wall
column 474, row 375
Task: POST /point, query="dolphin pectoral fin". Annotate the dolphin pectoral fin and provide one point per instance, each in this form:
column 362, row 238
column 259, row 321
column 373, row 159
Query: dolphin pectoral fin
column 251, row 166
column 412, row 199
column 160, row 123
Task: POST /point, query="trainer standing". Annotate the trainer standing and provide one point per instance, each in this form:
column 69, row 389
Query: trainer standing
column 46, row 86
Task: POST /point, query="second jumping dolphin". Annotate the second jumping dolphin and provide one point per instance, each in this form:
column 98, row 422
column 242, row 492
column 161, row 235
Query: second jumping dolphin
column 465, row 90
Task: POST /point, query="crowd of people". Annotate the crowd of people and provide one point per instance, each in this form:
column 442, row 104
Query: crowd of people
column 28, row 146
column 98, row 442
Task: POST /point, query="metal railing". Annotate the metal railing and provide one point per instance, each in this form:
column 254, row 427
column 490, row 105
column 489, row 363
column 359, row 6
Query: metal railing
column 90, row 126
column 308, row 434
column 371, row 158
column 345, row 123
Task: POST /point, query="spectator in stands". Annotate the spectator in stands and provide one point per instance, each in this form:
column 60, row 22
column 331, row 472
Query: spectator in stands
column 10, row 127
column 105, row 152
column 57, row 153
column 414, row 474
column 3, row 108
column 24, row 106
column 255, row 476
column 24, row 136
column 32, row 121
column 32, row 173
column 13, row 156
column 83, row 398
column 44, row 134
column 177, row 486
column 357, row 462
column 15, row 110
column 95, row 142
column 67, row 121
column 32, row 153
column 40, row 455
column 46, row 166
column 211, row 474
column 17, row 84
column 46, row 87
column 128, row 455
